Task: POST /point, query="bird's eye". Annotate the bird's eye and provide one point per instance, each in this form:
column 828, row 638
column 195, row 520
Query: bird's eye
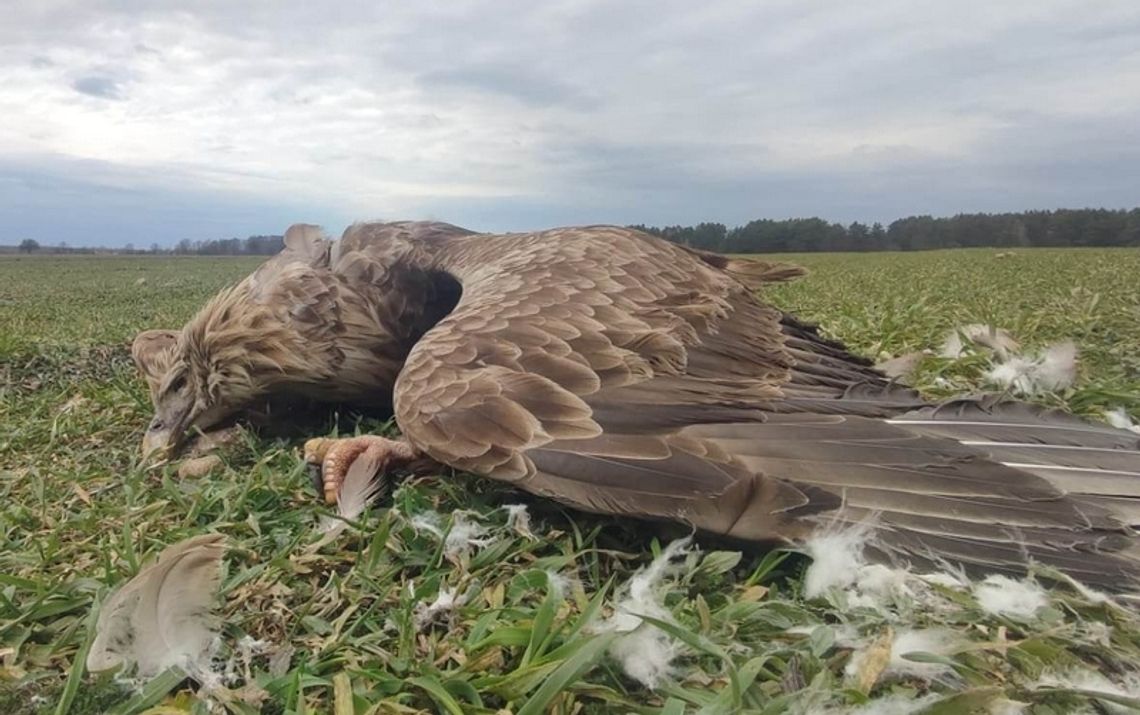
column 177, row 385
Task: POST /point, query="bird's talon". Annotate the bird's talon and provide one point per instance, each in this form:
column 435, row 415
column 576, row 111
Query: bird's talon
column 317, row 448
column 330, row 459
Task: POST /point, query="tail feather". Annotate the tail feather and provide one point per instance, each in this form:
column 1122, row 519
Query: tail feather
column 986, row 484
column 1099, row 464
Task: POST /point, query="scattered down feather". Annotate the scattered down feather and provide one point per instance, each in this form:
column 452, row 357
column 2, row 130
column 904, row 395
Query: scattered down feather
column 443, row 607
column 1051, row 370
column 645, row 652
column 558, row 583
column 1091, row 681
column 888, row 704
column 959, row 340
column 886, row 657
column 1004, row 596
column 464, row 537
column 1120, row 419
column 891, row 705
column 836, row 558
column 939, row 641
column 518, row 520
column 840, row 562
column 161, row 617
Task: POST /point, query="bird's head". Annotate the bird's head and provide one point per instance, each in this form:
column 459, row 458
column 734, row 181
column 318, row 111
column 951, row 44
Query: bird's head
column 181, row 406
column 157, row 355
column 244, row 345
column 300, row 326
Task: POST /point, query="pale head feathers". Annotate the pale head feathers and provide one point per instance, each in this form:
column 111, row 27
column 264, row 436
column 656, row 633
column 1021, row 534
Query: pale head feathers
column 327, row 321
column 236, row 348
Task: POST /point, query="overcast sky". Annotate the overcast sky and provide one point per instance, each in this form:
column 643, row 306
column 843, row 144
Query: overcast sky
column 128, row 121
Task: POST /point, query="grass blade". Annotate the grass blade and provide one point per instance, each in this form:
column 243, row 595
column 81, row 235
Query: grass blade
column 438, row 693
column 568, row 672
column 79, row 663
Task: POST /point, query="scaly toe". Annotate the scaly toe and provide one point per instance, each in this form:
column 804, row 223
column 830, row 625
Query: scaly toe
column 316, row 449
column 329, row 459
column 337, row 455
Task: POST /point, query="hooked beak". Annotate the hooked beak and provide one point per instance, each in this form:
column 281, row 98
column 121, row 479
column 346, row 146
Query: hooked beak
column 155, row 444
column 163, row 435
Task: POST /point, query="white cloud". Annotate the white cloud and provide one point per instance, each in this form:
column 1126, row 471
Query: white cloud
column 529, row 114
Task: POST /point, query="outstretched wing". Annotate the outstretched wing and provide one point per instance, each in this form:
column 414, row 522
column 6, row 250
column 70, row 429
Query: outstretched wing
column 624, row 375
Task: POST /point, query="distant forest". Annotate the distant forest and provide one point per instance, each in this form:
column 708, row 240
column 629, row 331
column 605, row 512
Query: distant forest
column 1063, row 227
column 251, row 246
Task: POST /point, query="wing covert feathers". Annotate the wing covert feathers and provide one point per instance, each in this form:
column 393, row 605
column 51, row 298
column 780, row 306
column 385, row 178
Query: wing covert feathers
column 622, row 374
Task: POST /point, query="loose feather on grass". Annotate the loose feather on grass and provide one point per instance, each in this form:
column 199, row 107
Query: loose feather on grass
column 1120, row 419
column 428, row 521
column 837, row 557
column 889, row 656
column 362, row 483
column 443, row 607
column 959, row 340
column 161, row 617
column 646, row 652
column 518, row 520
column 902, row 367
column 558, row 584
column 1004, row 596
column 1091, row 681
column 463, row 538
column 839, row 564
column 1051, row 370
column 892, row 705
column 937, row 641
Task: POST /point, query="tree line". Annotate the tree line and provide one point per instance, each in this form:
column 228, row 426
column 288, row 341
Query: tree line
column 251, row 246
column 1063, row 227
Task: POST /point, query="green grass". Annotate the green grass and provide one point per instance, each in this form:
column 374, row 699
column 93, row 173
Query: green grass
column 901, row 302
column 78, row 514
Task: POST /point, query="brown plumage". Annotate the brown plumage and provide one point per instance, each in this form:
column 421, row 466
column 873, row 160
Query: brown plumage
column 621, row 374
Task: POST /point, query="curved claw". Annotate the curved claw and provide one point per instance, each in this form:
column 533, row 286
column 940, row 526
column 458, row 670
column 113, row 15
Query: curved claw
column 330, row 459
column 316, row 449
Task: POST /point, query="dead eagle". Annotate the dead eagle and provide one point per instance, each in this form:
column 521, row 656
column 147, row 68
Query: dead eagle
column 621, row 374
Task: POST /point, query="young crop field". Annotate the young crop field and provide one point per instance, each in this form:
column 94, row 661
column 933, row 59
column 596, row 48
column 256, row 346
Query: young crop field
column 441, row 599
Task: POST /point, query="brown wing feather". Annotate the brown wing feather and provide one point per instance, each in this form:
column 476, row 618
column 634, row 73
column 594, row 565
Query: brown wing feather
column 556, row 341
column 624, row 375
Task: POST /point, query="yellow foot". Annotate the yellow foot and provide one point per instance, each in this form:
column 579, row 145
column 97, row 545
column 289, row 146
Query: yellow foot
column 333, row 457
